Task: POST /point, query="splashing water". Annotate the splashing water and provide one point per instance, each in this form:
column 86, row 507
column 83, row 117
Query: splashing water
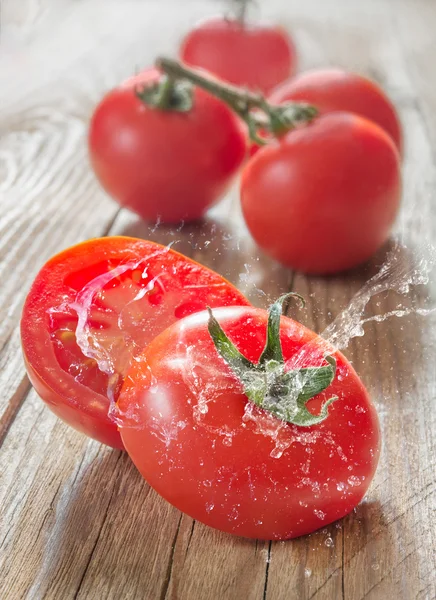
column 86, row 340
column 396, row 274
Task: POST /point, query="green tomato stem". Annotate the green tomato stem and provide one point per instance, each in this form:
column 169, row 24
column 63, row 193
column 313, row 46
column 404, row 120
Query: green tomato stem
column 241, row 10
column 252, row 108
column 165, row 93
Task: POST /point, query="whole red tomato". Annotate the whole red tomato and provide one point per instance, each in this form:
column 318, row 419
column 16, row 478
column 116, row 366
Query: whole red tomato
column 332, row 90
column 255, row 56
column 166, row 165
column 94, row 306
column 214, row 454
column 323, row 198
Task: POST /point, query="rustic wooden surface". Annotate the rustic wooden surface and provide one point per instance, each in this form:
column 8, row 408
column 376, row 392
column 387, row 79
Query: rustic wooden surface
column 77, row 520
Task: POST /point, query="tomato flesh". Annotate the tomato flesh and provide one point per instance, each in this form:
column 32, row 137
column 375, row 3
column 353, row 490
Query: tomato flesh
column 200, row 443
column 94, row 306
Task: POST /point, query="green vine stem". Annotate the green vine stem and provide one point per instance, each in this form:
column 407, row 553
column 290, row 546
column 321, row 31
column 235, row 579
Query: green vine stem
column 266, row 383
column 259, row 115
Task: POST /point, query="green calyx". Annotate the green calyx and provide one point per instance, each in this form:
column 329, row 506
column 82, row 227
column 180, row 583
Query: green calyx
column 283, row 118
column 167, row 94
column 266, row 383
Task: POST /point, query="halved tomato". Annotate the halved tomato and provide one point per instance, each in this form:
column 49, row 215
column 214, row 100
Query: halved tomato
column 95, row 306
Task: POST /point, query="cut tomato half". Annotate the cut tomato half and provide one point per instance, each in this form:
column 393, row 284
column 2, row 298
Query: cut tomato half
column 94, row 307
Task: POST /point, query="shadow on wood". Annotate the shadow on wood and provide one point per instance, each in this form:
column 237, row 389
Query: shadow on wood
column 221, row 247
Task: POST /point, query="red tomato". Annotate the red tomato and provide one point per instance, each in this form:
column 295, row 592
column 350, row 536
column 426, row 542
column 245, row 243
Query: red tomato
column 164, row 164
column 202, row 445
column 108, row 298
column 332, row 90
column 323, row 199
column 256, row 56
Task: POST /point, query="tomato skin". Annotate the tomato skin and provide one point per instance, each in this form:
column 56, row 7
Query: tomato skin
column 55, row 374
column 165, row 165
column 255, row 56
column 86, row 415
column 205, row 448
column 323, row 199
column 335, row 90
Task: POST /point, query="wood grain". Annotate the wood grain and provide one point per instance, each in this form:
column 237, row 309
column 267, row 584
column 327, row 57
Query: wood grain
column 76, row 519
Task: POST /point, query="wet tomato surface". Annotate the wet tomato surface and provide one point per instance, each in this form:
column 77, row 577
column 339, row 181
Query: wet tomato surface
column 199, row 441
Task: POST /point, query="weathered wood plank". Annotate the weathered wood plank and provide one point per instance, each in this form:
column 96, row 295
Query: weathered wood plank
column 77, row 521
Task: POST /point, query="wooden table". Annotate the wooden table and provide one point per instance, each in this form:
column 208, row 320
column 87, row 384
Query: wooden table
column 77, row 520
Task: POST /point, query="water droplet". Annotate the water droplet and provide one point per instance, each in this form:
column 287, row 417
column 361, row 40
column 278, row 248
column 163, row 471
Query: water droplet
column 209, row 507
column 234, row 514
column 307, row 572
column 277, row 452
column 329, row 542
column 266, row 555
column 340, row 486
column 375, row 566
column 319, row 513
column 355, row 481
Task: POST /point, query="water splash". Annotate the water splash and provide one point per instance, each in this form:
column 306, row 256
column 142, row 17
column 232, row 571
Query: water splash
column 86, row 339
column 396, row 274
